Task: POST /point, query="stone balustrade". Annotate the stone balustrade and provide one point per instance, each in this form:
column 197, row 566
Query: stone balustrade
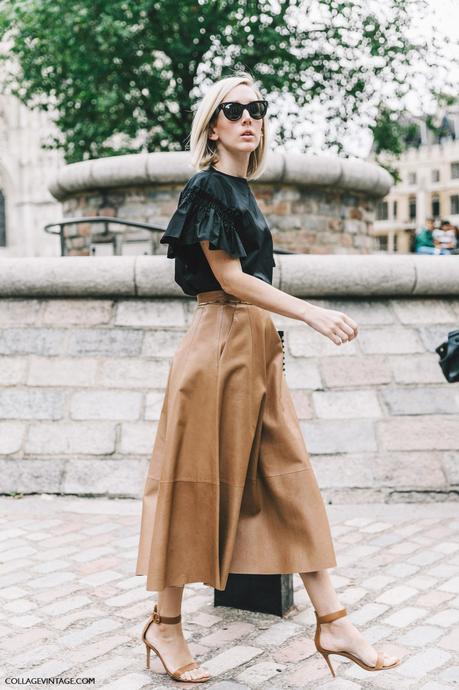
column 85, row 349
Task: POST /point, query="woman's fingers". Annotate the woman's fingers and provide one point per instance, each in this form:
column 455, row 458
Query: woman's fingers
column 344, row 330
column 336, row 339
column 336, row 325
column 351, row 327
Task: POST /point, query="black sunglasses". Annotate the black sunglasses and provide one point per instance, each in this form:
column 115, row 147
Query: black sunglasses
column 233, row 110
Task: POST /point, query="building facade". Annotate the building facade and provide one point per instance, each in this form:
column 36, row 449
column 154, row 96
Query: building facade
column 26, row 168
column 429, row 186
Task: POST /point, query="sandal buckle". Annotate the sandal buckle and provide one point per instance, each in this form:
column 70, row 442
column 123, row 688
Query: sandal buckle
column 156, row 617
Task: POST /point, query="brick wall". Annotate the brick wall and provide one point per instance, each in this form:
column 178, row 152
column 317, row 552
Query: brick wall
column 313, row 203
column 302, row 220
column 82, row 383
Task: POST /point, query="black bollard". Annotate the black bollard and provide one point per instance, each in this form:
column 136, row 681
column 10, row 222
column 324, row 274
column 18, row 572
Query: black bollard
column 262, row 593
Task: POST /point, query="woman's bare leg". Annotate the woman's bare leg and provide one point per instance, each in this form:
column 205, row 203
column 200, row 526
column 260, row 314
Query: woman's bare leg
column 168, row 637
column 340, row 634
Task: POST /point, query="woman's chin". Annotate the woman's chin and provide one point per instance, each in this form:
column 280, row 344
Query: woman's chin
column 247, row 145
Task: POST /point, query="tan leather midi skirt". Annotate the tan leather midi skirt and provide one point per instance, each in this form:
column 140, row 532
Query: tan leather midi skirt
column 230, row 487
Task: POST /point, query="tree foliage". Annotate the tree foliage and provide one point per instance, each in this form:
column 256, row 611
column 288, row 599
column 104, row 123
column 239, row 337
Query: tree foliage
column 121, row 76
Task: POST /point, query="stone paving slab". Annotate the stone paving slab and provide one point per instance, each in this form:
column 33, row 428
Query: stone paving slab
column 71, row 606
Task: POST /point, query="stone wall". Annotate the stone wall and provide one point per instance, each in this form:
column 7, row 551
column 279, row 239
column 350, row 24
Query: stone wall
column 328, row 221
column 314, row 204
column 86, row 344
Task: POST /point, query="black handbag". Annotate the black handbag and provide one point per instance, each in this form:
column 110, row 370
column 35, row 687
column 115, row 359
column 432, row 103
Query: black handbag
column 449, row 356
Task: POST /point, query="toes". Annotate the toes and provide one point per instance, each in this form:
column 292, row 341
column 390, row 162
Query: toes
column 195, row 674
column 389, row 660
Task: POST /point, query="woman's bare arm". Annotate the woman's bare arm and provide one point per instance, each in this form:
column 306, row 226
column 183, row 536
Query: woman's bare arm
column 333, row 324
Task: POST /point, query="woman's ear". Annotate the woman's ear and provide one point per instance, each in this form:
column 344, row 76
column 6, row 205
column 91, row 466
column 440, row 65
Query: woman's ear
column 211, row 133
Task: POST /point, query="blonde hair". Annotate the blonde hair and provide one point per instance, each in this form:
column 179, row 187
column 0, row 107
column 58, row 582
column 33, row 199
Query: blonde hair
column 204, row 150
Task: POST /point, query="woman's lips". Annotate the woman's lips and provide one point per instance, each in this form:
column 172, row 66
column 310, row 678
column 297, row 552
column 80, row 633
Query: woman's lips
column 247, row 135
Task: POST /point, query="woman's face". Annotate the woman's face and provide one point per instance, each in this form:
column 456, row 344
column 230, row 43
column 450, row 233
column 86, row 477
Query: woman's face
column 230, row 134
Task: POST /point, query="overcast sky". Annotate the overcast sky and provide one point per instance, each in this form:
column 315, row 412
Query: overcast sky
column 446, row 13
column 445, row 16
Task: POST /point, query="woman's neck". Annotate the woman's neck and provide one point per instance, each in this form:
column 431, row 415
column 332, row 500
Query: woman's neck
column 232, row 166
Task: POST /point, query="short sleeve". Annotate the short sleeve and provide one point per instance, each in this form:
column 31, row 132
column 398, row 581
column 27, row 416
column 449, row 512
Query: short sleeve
column 204, row 212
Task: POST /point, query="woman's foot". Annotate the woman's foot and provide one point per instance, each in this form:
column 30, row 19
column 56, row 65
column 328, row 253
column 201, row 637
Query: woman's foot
column 169, row 641
column 342, row 636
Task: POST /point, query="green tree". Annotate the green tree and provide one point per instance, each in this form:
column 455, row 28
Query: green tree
column 122, row 76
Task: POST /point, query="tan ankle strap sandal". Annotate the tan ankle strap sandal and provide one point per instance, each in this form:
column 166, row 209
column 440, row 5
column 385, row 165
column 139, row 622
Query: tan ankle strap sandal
column 156, row 618
column 329, row 618
column 175, row 675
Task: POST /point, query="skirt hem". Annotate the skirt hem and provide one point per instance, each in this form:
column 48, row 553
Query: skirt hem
column 289, row 571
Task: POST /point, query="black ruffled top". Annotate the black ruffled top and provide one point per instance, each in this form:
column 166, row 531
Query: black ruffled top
column 220, row 208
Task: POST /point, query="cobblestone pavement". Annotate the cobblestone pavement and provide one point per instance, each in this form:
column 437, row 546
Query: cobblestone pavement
column 72, row 607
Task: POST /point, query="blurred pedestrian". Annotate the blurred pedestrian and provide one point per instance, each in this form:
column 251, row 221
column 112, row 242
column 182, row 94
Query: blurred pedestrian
column 445, row 238
column 424, row 238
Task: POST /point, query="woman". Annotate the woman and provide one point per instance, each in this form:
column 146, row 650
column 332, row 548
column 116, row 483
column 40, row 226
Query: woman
column 230, row 487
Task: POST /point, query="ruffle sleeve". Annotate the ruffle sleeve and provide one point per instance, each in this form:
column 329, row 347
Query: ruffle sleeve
column 204, row 214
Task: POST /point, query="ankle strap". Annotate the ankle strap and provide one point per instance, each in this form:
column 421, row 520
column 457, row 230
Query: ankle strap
column 164, row 619
column 330, row 617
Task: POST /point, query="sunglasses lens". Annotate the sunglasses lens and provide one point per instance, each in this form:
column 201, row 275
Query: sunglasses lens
column 257, row 109
column 233, row 111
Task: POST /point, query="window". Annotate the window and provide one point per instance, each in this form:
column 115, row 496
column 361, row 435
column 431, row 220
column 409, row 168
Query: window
column 394, row 210
column 412, row 208
column 455, row 170
column 436, row 206
column 382, row 242
column 454, row 201
column 382, row 211
column 412, row 178
column 435, row 176
column 2, row 220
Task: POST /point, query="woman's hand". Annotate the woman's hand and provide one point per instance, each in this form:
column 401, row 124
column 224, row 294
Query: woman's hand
column 334, row 324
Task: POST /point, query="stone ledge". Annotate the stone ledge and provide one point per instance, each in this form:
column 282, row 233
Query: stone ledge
column 302, row 275
column 303, row 169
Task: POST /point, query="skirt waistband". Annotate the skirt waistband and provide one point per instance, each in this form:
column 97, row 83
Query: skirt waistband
column 218, row 296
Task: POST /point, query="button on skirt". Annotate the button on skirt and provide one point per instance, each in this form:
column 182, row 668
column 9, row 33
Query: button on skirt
column 229, row 487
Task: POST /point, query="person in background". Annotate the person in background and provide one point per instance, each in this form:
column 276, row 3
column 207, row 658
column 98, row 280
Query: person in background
column 445, row 238
column 456, row 234
column 424, row 238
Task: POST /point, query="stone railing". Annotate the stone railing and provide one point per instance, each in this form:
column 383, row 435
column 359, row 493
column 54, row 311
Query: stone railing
column 85, row 349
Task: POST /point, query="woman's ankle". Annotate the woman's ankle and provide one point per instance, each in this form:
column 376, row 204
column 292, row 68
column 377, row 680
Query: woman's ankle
column 167, row 630
column 342, row 622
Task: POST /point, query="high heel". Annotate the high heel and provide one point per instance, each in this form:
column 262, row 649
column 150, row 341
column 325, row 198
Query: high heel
column 175, row 675
column 329, row 618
